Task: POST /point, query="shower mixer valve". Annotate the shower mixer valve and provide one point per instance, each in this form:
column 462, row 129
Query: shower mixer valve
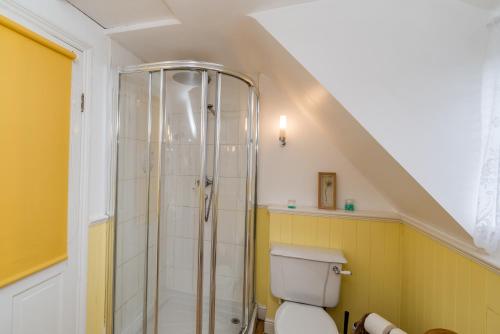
column 208, row 181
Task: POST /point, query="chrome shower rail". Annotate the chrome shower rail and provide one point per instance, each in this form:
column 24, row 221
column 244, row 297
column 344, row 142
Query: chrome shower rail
column 187, row 65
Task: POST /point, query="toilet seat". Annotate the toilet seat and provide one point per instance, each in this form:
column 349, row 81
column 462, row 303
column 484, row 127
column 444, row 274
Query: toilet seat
column 295, row 318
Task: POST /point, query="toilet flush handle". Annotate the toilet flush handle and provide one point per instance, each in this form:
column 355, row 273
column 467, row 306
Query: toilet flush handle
column 337, row 271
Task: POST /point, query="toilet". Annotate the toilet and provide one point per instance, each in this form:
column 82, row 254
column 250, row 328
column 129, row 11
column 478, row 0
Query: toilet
column 306, row 279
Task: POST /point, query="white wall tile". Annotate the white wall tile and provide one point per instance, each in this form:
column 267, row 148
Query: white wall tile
column 207, row 257
column 169, row 277
column 132, row 310
column 184, row 222
column 183, row 253
column 131, row 272
column 229, row 155
column 231, row 193
column 183, row 280
column 119, row 286
column 127, row 158
column 229, row 131
column 133, row 238
column 141, row 156
column 229, row 260
column 226, row 229
column 185, row 191
column 117, row 323
column 228, row 288
column 170, row 253
column 168, row 219
column 186, row 159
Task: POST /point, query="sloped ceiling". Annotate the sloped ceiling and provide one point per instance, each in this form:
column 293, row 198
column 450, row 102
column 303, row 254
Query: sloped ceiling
column 304, row 65
column 364, row 152
column 411, row 76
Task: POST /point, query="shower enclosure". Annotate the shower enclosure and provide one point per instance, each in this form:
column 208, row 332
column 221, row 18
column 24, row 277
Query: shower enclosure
column 185, row 200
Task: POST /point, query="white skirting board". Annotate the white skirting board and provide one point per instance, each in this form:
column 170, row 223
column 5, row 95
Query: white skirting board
column 253, row 322
column 268, row 323
column 261, row 312
column 269, row 326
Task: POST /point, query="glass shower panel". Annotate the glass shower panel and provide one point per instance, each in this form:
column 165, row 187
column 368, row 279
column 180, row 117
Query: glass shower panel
column 131, row 203
column 155, row 129
column 252, row 200
column 179, row 206
column 231, row 207
column 168, row 125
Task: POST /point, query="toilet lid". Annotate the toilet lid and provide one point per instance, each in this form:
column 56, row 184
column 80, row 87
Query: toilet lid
column 294, row 318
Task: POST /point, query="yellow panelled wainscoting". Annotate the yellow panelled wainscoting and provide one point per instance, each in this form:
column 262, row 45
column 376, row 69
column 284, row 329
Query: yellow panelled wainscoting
column 397, row 271
column 443, row 288
column 99, row 282
column 262, row 256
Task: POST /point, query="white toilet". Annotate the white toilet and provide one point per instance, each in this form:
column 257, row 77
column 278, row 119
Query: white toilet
column 306, row 279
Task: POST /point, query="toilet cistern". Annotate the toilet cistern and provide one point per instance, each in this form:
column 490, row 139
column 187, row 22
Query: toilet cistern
column 307, row 279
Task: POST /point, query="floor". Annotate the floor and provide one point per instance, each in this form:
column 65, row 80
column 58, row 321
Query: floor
column 177, row 312
column 259, row 329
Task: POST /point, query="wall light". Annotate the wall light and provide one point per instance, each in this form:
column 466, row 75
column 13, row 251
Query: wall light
column 282, row 137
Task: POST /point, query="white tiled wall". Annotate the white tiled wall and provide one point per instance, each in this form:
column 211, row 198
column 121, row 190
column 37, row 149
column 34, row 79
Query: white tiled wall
column 180, row 204
column 231, row 215
column 131, row 203
column 232, row 187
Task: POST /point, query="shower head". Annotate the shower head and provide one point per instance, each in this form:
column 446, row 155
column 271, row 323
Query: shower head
column 188, row 78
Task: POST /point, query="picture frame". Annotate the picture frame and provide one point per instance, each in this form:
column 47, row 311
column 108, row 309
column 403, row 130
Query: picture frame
column 327, row 191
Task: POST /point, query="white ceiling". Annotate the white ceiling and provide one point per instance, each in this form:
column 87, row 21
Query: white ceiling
column 205, row 30
column 209, row 30
column 116, row 13
column 486, row 4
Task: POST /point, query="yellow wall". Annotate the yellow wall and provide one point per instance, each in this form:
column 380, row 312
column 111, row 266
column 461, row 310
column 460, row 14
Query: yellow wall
column 96, row 276
column 442, row 288
column 261, row 256
column 398, row 272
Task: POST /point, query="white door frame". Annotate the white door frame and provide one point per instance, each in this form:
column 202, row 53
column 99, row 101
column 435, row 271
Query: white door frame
column 73, row 272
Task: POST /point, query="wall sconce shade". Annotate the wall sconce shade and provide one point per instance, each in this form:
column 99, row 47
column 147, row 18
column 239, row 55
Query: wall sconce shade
column 282, row 137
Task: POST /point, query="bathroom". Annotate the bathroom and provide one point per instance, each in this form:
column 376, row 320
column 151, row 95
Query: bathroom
column 186, row 166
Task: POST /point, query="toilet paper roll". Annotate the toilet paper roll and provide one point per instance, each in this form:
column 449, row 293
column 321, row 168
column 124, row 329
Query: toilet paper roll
column 375, row 324
column 397, row 331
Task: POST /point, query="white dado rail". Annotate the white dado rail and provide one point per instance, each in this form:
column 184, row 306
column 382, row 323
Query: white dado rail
column 466, row 249
column 310, row 211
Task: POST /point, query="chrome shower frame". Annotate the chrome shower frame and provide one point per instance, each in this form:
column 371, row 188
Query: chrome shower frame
column 249, row 306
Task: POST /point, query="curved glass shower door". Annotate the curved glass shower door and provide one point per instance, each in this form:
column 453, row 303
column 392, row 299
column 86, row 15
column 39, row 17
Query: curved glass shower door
column 232, row 205
column 184, row 138
column 185, row 199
